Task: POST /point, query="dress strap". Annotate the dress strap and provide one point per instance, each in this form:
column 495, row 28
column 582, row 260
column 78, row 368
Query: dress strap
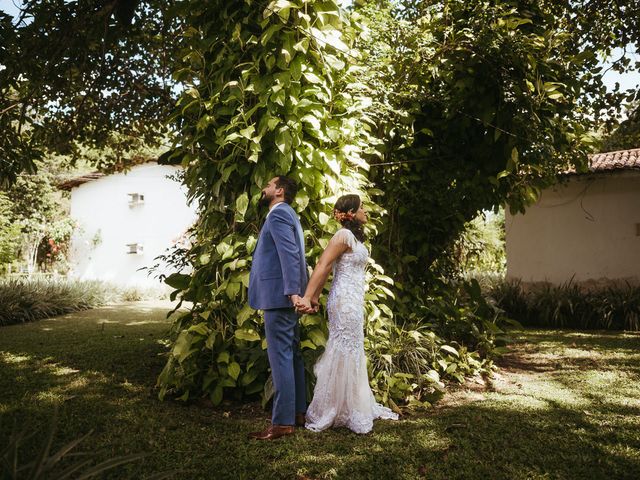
column 346, row 236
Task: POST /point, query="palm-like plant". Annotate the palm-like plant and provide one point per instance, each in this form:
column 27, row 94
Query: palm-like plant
column 45, row 463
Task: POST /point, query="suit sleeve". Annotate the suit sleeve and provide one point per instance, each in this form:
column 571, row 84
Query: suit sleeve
column 284, row 235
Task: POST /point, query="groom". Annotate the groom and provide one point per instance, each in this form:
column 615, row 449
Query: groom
column 277, row 281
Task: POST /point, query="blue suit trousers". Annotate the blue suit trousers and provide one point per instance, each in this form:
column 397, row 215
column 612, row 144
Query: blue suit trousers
column 287, row 367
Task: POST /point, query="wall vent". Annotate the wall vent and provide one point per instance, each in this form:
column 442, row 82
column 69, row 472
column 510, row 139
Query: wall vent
column 135, row 199
column 135, row 248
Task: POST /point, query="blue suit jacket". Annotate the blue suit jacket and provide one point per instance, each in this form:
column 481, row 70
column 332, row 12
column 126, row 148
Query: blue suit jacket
column 279, row 268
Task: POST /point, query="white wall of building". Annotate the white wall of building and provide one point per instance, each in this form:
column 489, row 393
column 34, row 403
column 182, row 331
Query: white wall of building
column 107, row 223
column 588, row 229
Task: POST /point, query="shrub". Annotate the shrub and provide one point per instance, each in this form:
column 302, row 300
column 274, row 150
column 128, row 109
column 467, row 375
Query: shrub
column 616, row 307
column 28, row 300
column 449, row 333
column 443, row 333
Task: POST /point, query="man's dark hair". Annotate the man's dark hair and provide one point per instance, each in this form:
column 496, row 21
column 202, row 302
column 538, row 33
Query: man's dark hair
column 290, row 187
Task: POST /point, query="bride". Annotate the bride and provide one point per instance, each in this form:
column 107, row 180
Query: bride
column 342, row 395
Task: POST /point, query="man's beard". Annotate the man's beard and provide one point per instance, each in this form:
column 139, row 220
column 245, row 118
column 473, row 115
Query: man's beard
column 265, row 200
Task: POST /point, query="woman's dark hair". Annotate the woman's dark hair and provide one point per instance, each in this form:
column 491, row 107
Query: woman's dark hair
column 290, row 187
column 351, row 203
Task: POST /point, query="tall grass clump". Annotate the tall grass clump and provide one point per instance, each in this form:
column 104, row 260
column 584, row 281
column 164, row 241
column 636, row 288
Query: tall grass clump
column 47, row 463
column 570, row 305
column 28, row 300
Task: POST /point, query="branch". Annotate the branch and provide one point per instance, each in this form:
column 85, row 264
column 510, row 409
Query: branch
column 9, row 108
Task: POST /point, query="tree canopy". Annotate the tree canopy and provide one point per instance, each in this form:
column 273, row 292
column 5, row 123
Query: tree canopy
column 94, row 74
column 99, row 72
column 626, row 136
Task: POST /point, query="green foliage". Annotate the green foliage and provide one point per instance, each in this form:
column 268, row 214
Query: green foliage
column 270, row 91
column 408, row 364
column 603, row 27
column 57, row 465
column 9, row 233
column 494, row 94
column 616, row 307
column 479, row 322
column 451, row 331
column 278, row 91
column 480, row 248
column 626, row 136
column 75, row 75
column 28, row 300
column 35, row 208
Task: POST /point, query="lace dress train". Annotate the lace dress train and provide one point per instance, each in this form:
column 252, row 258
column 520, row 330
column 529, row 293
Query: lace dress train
column 342, row 395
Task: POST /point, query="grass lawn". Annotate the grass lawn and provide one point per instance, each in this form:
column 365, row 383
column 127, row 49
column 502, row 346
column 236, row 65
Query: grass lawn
column 564, row 404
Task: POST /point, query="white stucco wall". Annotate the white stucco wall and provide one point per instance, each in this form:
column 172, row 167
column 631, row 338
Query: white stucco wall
column 101, row 208
column 587, row 229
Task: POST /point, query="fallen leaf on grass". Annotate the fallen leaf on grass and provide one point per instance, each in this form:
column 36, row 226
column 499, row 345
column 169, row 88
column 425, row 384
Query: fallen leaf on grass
column 455, row 425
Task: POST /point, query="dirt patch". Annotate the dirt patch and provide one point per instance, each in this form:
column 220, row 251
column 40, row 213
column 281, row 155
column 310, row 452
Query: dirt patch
column 524, row 359
column 519, row 361
column 531, row 358
column 473, row 390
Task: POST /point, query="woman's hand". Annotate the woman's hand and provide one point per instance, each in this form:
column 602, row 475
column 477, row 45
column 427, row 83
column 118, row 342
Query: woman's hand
column 305, row 306
column 315, row 304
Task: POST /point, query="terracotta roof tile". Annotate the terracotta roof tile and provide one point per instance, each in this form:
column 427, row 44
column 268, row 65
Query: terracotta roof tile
column 622, row 159
column 74, row 182
column 609, row 161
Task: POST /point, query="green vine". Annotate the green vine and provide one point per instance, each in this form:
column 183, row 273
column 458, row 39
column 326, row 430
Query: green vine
column 270, row 91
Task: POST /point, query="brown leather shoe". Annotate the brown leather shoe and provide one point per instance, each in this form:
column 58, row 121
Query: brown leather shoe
column 300, row 420
column 272, row 432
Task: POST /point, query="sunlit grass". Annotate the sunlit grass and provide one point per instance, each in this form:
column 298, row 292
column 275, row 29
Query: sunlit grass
column 565, row 405
column 10, row 358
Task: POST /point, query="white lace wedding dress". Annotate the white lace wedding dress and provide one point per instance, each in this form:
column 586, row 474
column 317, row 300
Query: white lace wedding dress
column 342, row 395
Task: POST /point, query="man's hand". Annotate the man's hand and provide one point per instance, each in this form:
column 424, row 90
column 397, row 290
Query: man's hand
column 295, row 299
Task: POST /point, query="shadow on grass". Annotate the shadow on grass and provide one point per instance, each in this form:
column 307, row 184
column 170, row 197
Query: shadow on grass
column 596, row 340
column 572, row 421
column 478, row 441
column 121, row 341
column 548, row 351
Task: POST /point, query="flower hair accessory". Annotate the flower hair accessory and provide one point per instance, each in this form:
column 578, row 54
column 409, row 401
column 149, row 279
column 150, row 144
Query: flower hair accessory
column 343, row 216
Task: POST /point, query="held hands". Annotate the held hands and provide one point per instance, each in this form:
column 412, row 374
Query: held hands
column 305, row 305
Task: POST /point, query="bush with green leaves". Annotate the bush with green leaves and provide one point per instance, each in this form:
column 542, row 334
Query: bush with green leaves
column 570, row 305
column 26, row 300
column 270, row 91
column 277, row 90
column 453, row 332
column 9, row 233
column 34, row 217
